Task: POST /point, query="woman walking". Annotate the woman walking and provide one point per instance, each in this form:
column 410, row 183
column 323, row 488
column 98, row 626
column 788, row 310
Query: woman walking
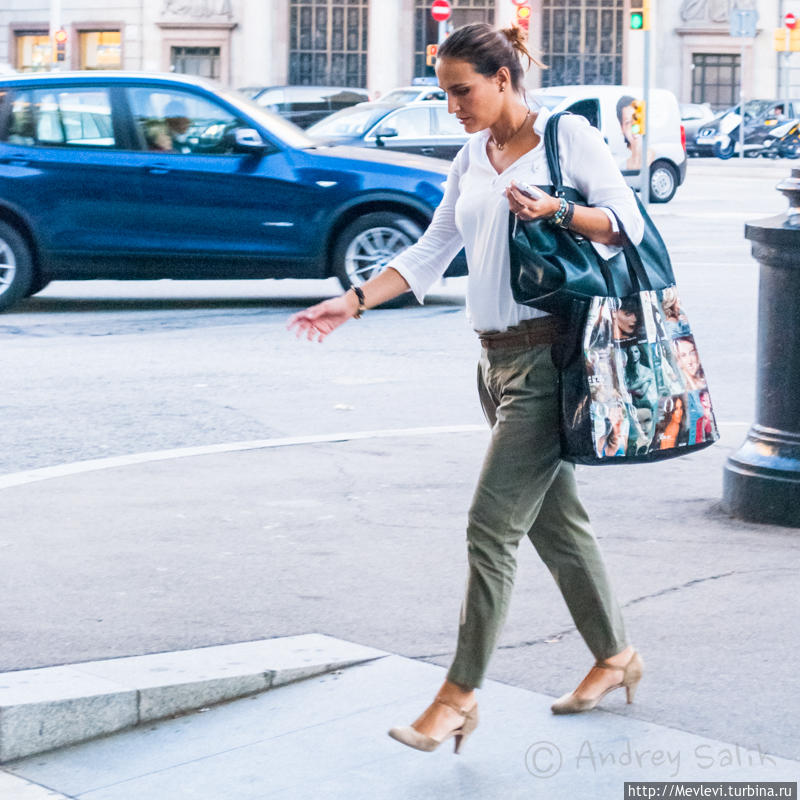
column 524, row 488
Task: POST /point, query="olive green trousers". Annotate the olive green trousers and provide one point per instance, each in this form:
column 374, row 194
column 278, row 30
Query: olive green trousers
column 525, row 488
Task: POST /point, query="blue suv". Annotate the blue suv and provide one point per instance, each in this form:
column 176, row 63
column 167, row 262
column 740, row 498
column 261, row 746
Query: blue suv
column 137, row 176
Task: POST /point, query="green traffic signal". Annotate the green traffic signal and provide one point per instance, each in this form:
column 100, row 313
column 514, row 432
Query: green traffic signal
column 637, row 20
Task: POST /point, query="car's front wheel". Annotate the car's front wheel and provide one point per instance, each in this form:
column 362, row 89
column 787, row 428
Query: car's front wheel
column 16, row 266
column 663, row 182
column 367, row 244
column 725, row 149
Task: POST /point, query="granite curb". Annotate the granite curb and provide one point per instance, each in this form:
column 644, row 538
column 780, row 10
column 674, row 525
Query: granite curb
column 47, row 708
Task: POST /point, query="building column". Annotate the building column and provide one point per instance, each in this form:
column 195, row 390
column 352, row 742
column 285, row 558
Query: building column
column 262, row 55
column 390, row 50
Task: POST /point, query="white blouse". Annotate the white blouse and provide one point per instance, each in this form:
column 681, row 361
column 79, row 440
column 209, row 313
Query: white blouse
column 474, row 214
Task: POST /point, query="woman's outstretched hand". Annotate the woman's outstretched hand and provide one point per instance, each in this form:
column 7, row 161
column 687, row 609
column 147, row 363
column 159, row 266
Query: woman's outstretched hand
column 316, row 322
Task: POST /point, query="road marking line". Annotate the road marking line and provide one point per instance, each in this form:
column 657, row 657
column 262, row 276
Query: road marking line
column 92, row 465
column 96, row 464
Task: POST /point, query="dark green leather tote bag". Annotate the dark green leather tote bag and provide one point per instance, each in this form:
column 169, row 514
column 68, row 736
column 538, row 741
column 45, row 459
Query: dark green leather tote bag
column 551, row 268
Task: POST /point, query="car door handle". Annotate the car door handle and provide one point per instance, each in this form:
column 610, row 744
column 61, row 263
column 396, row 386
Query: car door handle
column 157, row 169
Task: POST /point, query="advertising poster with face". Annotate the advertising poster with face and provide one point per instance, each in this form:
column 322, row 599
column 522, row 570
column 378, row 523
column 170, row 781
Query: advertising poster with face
column 629, row 157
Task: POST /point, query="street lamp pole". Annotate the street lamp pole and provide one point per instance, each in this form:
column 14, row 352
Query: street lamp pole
column 644, row 187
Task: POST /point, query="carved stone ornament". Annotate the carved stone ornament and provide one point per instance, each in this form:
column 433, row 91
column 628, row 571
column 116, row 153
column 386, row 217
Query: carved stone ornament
column 711, row 10
column 197, row 9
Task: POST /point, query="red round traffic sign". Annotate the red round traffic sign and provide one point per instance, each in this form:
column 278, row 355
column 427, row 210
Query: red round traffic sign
column 440, row 10
column 790, row 21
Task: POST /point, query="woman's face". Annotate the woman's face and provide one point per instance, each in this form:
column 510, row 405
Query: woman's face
column 625, row 323
column 687, row 357
column 626, row 123
column 475, row 99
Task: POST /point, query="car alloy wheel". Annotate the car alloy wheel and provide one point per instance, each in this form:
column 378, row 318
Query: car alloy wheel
column 369, row 243
column 663, row 182
column 16, row 266
column 8, row 267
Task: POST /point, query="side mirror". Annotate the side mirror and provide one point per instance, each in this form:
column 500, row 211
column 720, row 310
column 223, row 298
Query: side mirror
column 385, row 133
column 248, row 140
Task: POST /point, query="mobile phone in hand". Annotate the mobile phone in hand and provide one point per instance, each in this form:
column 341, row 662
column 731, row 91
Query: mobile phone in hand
column 527, row 189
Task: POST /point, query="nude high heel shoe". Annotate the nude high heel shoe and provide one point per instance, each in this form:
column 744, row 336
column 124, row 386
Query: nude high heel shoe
column 410, row 736
column 631, row 675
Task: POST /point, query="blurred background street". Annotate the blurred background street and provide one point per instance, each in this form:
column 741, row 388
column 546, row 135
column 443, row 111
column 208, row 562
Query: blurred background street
column 102, row 368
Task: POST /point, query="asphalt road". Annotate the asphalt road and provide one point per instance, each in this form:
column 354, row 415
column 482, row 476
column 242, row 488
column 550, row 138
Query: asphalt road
column 104, row 368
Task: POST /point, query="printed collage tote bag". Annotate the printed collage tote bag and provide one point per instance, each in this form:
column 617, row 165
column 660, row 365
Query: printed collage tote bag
column 635, row 389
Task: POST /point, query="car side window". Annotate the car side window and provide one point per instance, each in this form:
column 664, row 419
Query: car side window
column 172, row 121
column 410, row 123
column 21, row 129
column 447, row 124
column 71, row 117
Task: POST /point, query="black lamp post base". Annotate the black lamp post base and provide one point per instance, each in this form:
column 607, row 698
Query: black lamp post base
column 761, row 481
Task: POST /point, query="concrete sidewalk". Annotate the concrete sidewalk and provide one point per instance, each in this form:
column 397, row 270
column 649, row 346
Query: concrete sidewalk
column 326, row 738
column 362, row 539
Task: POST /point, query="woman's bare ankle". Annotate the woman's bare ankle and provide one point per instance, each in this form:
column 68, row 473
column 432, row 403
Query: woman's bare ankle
column 456, row 693
column 622, row 657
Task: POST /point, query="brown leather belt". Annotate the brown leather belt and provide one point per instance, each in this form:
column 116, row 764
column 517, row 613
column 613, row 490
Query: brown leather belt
column 529, row 333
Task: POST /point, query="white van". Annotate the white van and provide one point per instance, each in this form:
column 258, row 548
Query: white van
column 609, row 108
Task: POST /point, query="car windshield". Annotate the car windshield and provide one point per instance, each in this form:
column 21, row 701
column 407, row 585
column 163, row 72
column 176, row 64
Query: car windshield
column 353, row 121
column 250, row 91
column 400, row 96
column 755, row 109
column 286, row 131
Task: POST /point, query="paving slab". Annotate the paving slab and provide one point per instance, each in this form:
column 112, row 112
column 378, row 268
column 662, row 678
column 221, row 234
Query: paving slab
column 14, row 788
column 42, row 709
column 325, row 737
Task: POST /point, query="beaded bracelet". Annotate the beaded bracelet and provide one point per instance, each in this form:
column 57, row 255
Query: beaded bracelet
column 568, row 216
column 563, row 209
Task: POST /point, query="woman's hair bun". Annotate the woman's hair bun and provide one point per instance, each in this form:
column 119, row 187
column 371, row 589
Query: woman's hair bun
column 518, row 39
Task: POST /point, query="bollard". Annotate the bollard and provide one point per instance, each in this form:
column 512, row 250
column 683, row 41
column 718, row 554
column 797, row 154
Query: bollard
column 761, row 481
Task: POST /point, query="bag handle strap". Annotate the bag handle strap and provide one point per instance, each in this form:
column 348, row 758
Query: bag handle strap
column 552, row 153
column 636, row 270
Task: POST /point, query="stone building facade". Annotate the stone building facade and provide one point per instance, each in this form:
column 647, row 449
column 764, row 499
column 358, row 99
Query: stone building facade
column 381, row 43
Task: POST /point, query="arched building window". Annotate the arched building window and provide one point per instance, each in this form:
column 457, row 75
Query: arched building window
column 581, row 41
column 328, row 42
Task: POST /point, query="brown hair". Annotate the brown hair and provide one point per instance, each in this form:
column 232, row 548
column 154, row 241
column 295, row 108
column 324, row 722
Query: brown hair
column 488, row 49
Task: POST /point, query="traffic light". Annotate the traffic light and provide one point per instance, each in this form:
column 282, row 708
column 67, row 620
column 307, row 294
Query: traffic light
column 640, row 15
column 60, row 37
column 523, row 14
column 430, row 54
column 639, row 114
